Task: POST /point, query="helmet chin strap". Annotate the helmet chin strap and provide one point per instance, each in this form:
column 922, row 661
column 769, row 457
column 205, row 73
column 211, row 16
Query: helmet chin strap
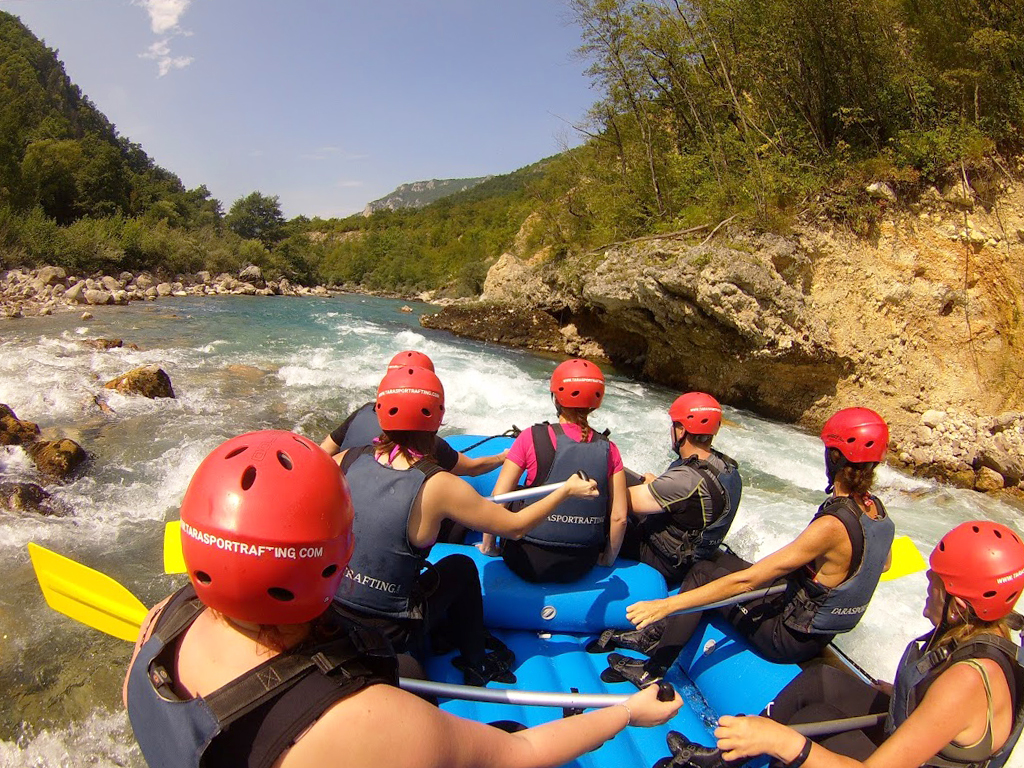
column 832, row 467
column 677, row 442
column 944, row 624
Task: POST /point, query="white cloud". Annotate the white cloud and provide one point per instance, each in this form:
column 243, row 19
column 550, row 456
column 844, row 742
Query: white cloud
column 160, row 52
column 349, row 184
column 164, row 14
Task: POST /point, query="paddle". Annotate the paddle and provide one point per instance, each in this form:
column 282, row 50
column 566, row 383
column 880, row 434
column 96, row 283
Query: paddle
column 175, row 563
column 905, row 559
column 85, row 595
column 98, row 601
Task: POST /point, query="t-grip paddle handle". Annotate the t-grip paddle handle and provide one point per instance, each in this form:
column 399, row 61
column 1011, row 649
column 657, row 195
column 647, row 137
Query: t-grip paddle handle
column 665, row 691
column 583, row 475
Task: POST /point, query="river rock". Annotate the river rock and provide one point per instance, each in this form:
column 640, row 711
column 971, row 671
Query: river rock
column 56, row 458
column 76, row 293
column 29, row 497
column 149, row 381
column 164, row 289
column 988, row 480
column 96, row 296
column 51, row 275
column 514, row 326
column 14, row 431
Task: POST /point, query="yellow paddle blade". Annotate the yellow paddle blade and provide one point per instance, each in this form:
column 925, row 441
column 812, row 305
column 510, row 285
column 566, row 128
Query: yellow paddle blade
column 174, row 561
column 86, row 595
column 905, row 559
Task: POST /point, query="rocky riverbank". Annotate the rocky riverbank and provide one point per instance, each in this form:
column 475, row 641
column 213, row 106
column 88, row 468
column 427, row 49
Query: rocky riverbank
column 50, row 289
column 924, row 322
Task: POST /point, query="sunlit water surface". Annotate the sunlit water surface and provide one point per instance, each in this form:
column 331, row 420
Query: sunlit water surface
column 241, row 363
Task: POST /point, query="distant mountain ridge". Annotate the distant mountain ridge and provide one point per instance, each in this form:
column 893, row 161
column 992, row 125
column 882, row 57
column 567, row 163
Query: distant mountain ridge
column 421, row 193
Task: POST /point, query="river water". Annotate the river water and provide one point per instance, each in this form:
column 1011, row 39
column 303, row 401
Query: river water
column 302, row 364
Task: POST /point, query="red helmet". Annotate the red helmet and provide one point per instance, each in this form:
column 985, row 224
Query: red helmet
column 266, row 528
column 577, row 383
column 697, row 412
column 410, row 398
column 860, row 434
column 411, row 357
column 982, row 563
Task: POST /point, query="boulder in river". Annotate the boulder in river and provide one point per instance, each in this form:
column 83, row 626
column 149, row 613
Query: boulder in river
column 14, row 431
column 29, row 497
column 148, row 381
column 56, row 458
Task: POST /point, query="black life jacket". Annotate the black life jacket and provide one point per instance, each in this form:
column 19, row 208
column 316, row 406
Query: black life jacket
column 362, row 429
column 817, row 609
column 254, row 718
column 918, row 669
column 382, row 577
column 575, row 522
column 720, row 489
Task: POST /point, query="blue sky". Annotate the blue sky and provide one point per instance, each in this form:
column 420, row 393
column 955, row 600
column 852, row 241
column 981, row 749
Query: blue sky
column 326, row 103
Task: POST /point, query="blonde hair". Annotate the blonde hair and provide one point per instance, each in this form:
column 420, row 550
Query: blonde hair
column 577, row 416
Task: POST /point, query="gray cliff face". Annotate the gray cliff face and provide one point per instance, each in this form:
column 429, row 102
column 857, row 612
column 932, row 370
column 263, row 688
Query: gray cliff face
column 720, row 319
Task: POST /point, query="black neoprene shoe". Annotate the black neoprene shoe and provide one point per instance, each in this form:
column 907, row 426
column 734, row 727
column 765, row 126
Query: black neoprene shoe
column 640, row 640
column 493, row 667
column 689, row 754
column 637, row 671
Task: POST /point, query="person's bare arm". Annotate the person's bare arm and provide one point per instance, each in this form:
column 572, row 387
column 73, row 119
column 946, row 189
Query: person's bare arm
column 617, row 517
column 471, row 467
column 385, row 725
column 818, row 538
column 954, row 708
column 330, row 446
column 448, row 496
column 642, row 501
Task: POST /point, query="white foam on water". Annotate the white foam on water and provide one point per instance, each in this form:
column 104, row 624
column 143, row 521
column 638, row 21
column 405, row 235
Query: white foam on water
column 103, row 740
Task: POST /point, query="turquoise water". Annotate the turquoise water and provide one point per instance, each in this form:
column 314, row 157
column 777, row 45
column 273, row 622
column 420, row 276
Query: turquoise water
column 244, row 363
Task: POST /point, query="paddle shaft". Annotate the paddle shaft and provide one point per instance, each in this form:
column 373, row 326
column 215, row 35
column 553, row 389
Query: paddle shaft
column 525, row 493
column 735, row 599
column 826, row 727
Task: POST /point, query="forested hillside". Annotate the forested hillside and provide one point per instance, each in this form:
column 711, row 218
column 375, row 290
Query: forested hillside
column 758, row 113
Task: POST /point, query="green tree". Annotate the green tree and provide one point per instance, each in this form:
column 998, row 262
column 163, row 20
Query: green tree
column 256, row 217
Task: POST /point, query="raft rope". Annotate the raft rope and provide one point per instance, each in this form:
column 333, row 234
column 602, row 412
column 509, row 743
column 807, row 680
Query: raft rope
column 513, row 432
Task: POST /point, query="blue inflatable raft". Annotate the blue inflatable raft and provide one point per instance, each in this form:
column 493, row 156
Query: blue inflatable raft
column 549, row 625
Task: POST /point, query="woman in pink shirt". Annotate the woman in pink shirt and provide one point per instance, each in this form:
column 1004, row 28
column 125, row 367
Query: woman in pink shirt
column 580, row 533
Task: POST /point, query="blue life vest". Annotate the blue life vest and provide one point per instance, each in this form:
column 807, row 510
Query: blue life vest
column 817, row 609
column 919, row 668
column 681, row 545
column 575, row 522
column 362, row 429
column 253, row 719
column 382, row 576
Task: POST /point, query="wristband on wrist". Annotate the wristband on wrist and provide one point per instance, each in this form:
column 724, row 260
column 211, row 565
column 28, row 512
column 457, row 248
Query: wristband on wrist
column 629, row 714
column 801, row 758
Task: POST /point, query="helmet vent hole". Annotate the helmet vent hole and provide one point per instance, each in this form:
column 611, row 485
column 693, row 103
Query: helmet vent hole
column 575, row 393
column 303, row 444
column 285, row 459
column 282, row 594
column 392, row 411
column 329, row 571
column 991, row 593
column 203, row 577
column 998, row 534
column 425, row 412
column 976, row 529
column 1010, row 600
column 237, row 451
column 248, row 477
